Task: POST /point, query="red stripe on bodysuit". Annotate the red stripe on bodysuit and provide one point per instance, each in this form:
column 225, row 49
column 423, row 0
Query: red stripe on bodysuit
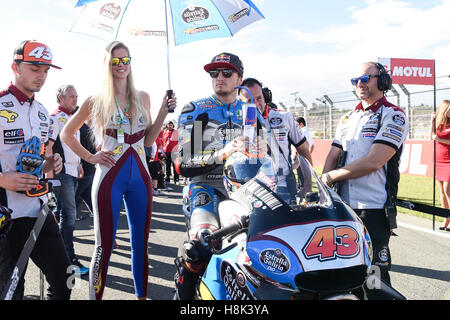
column 106, row 222
column 128, row 139
column 106, row 218
column 148, row 185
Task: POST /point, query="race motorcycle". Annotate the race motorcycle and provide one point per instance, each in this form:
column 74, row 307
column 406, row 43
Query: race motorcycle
column 315, row 247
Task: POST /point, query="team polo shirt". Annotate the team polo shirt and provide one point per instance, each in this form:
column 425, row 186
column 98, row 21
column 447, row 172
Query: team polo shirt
column 357, row 131
column 286, row 131
column 58, row 120
column 20, row 119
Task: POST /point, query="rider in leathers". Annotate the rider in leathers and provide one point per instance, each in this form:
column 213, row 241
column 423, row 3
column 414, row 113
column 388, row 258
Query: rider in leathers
column 210, row 129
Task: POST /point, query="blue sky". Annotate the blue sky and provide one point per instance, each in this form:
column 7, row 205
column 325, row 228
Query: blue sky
column 312, row 47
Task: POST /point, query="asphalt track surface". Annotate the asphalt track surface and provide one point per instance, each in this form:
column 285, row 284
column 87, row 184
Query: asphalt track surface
column 420, row 256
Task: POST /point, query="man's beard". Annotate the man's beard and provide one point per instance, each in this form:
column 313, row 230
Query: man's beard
column 222, row 92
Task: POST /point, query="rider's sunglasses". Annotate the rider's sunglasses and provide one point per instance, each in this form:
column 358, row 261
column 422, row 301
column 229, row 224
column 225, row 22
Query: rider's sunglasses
column 227, row 73
column 364, row 79
column 125, row 61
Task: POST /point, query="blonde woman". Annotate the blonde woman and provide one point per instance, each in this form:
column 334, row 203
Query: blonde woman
column 122, row 126
column 441, row 134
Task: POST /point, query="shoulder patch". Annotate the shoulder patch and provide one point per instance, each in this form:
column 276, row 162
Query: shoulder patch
column 188, row 108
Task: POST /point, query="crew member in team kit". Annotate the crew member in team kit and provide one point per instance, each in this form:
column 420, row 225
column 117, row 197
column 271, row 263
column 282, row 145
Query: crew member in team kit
column 364, row 159
column 285, row 131
column 67, row 98
column 22, row 117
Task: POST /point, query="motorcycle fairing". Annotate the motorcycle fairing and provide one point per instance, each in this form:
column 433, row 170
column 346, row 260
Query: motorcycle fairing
column 224, row 280
column 275, row 259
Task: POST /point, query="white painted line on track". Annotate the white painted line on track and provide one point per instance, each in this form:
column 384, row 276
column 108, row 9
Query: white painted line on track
column 436, row 233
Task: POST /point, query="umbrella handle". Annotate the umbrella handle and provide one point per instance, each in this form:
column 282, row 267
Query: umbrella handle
column 169, row 96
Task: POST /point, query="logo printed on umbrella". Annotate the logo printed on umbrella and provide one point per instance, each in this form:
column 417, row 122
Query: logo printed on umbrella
column 195, row 14
column 144, row 33
column 201, row 29
column 235, row 17
column 110, row 11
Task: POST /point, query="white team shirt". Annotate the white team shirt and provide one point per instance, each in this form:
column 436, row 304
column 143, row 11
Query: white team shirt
column 20, row 119
column 286, row 130
column 357, row 130
column 57, row 123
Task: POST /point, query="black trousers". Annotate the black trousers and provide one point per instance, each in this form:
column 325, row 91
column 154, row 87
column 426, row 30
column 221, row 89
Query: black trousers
column 49, row 254
column 169, row 165
column 377, row 224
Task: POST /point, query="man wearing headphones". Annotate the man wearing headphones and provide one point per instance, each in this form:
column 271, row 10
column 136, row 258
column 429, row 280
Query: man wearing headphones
column 364, row 159
column 284, row 131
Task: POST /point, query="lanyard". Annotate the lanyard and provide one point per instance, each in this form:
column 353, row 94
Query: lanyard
column 123, row 116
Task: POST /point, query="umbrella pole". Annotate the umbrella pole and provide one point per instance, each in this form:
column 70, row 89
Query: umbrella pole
column 170, row 91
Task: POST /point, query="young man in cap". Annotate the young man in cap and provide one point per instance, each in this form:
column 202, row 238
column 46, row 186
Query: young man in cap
column 21, row 118
column 208, row 133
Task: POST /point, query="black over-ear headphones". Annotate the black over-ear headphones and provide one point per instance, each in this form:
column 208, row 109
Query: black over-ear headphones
column 384, row 80
column 266, row 91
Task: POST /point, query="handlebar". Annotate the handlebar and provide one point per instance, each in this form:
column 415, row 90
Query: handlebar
column 225, row 231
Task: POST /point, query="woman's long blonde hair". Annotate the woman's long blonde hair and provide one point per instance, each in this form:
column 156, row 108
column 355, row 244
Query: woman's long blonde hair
column 441, row 115
column 103, row 105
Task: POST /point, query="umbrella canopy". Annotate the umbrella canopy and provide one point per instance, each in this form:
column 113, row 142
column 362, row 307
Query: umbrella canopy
column 144, row 21
column 205, row 19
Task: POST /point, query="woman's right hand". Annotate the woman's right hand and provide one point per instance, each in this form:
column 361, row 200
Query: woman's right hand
column 103, row 157
column 433, row 116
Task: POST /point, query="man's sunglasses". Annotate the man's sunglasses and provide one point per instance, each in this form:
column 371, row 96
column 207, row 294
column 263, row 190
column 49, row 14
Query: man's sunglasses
column 364, row 79
column 227, row 73
column 125, row 61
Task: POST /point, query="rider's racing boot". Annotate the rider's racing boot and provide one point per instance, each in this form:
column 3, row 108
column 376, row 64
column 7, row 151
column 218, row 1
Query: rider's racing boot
column 186, row 280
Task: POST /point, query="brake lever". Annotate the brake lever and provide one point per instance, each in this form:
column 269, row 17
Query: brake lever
column 218, row 252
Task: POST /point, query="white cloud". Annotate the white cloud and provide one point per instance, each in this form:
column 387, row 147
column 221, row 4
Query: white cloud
column 381, row 29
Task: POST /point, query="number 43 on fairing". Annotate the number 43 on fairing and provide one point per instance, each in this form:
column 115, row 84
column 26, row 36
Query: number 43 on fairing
column 331, row 242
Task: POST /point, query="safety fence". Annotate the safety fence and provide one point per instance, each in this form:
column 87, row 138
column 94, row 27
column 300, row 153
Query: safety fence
column 322, row 115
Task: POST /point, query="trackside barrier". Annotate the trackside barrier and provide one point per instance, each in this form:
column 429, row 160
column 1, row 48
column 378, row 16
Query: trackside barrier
column 417, row 160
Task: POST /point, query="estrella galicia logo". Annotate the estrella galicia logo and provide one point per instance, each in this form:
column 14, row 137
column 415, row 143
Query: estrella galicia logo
column 276, row 121
column 13, row 136
column 398, row 119
column 42, row 116
column 223, row 132
column 201, row 199
column 275, row 261
column 234, row 282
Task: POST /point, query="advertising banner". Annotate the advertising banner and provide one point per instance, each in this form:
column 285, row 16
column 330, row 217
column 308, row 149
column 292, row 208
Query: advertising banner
column 410, row 71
